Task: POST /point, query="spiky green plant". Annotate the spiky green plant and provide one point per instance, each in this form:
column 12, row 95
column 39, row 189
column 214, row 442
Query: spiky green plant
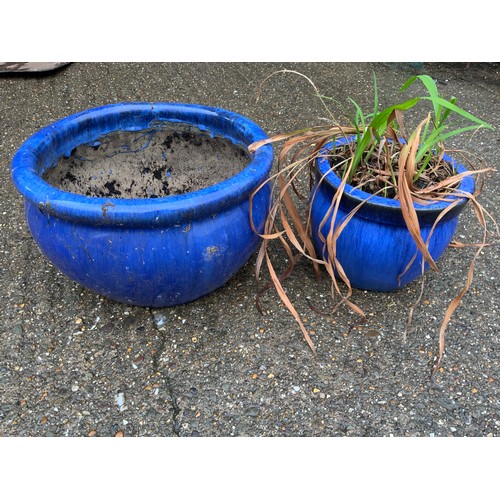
column 388, row 123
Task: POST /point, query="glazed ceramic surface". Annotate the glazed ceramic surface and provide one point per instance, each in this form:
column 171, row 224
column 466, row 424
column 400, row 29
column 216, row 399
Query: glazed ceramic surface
column 148, row 252
column 375, row 247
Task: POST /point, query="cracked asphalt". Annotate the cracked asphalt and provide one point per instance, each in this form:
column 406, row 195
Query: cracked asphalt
column 73, row 363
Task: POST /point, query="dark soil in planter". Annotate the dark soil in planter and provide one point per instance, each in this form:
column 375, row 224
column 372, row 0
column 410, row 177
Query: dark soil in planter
column 166, row 159
column 375, row 177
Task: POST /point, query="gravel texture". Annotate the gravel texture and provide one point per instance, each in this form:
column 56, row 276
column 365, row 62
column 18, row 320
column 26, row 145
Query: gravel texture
column 73, row 363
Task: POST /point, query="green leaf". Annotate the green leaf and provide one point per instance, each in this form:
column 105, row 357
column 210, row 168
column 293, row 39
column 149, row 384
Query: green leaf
column 447, row 111
column 359, row 116
column 429, row 144
column 430, row 85
column 464, row 114
column 377, row 126
column 459, row 131
column 380, row 122
column 375, row 95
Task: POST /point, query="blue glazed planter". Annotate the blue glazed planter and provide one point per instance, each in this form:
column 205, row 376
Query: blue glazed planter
column 147, row 252
column 375, row 247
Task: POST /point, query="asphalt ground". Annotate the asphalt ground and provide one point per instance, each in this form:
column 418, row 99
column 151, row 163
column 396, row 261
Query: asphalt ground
column 73, row 363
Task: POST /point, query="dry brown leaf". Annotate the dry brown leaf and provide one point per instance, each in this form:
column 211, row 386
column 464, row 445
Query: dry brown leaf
column 284, row 297
column 406, row 161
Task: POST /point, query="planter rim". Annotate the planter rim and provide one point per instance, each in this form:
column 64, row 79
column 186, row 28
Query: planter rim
column 357, row 195
column 27, row 165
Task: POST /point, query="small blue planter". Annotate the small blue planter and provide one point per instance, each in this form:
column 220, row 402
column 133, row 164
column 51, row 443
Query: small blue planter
column 147, row 252
column 375, row 247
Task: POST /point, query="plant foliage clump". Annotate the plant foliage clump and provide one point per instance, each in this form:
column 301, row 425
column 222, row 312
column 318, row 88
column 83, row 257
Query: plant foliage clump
column 381, row 157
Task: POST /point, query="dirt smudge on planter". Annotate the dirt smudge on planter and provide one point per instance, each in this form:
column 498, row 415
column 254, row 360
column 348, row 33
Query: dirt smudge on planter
column 166, row 159
column 105, row 207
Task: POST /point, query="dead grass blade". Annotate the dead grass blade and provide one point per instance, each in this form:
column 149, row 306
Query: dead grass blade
column 308, row 247
column 284, row 298
column 419, row 298
column 268, row 233
column 479, row 210
column 405, row 179
column 291, row 71
column 409, row 319
column 282, row 277
column 452, row 307
column 450, row 182
column 458, row 244
column 332, row 264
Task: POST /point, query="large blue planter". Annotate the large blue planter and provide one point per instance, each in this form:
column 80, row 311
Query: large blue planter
column 147, row 252
column 375, row 247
